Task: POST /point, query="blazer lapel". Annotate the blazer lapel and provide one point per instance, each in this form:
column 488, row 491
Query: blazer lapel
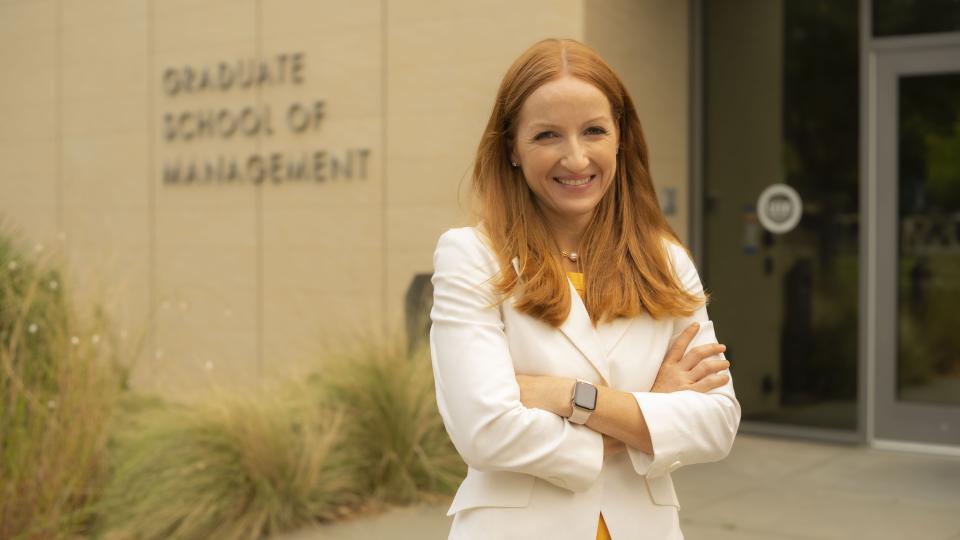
column 580, row 331
column 612, row 332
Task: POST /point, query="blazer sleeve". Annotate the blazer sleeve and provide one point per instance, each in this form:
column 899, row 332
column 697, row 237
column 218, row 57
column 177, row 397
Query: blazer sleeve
column 687, row 427
column 477, row 391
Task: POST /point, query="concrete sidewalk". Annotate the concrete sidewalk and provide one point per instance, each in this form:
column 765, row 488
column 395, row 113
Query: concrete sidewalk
column 767, row 489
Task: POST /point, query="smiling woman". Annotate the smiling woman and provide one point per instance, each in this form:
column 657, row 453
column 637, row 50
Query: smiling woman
column 564, row 132
column 575, row 363
column 567, row 146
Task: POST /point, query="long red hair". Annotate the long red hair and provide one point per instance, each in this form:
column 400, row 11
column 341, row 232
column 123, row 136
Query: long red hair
column 623, row 253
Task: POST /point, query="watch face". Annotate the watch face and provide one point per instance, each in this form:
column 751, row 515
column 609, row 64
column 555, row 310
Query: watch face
column 585, row 396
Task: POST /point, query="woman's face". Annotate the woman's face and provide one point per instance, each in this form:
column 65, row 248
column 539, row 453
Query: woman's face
column 566, row 145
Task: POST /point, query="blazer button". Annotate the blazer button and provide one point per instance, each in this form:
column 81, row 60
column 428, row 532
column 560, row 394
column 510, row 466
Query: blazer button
column 674, row 466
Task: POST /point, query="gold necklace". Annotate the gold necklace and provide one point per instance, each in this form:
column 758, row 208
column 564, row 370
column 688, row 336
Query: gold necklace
column 572, row 255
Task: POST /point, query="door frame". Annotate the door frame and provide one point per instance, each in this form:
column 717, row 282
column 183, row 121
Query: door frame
column 886, row 422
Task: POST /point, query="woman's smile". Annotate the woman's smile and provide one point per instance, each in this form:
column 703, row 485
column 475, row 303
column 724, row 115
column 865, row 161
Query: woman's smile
column 575, row 182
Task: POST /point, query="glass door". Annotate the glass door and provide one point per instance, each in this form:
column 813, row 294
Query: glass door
column 781, row 207
column 916, row 159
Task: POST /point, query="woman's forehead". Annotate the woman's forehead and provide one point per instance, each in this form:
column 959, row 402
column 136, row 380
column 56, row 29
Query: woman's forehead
column 565, row 100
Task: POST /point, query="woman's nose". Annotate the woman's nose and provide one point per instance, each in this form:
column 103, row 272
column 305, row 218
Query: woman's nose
column 574, row 158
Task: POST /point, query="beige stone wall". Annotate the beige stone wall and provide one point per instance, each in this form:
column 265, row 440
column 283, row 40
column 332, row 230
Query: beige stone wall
column 233, row 281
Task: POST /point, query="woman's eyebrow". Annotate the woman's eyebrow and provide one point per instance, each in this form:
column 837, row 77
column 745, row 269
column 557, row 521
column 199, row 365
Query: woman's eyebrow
column 548, row 125
column 605, row 118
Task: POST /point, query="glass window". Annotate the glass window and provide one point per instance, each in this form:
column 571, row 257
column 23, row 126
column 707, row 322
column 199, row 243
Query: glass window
column 928, row 361
column 899, row 17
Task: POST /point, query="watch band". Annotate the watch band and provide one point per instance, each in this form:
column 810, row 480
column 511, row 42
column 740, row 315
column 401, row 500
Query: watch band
column 580, row 416
column 583, row 401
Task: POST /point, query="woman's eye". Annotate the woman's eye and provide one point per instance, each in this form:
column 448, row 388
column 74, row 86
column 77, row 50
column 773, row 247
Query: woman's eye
column 543, row 135
column 596, row 131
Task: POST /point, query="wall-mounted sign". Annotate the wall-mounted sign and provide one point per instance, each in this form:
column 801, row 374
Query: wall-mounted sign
column 244, row 73
column 257, row 120
column 779, row 208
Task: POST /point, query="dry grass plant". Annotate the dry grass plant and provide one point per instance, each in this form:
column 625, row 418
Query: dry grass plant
column 363, row 432
column 59, row 376
column 239, row 466
column 394, row 428
column 80, row 456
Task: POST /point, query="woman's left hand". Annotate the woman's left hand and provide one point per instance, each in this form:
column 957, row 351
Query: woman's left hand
column 546, row 392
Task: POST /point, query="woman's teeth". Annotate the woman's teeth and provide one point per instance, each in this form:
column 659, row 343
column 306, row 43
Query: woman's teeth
column 574, row 181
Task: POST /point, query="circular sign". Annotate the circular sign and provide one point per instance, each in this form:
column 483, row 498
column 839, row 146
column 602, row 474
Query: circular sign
column 779, row 208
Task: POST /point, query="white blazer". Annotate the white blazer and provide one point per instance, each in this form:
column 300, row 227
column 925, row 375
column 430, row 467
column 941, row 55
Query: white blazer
column 532, row 474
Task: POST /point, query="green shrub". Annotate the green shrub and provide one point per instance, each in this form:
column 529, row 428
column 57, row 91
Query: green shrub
column 59, row 377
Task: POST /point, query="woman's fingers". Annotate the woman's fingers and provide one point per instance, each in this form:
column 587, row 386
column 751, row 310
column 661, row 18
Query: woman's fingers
column 708, row 367
column 697, row 354
column 676, row 350
column 708, row 383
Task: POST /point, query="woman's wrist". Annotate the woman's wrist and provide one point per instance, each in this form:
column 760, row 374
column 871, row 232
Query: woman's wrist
column 564, row 394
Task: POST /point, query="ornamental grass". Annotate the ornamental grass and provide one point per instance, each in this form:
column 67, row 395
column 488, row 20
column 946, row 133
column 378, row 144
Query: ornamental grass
column 83, row 456
column 360, row 433
column 398, row 438
column 234, row 467
column 59, row 379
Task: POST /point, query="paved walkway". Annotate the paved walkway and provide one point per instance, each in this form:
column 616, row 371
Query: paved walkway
column 767, row 489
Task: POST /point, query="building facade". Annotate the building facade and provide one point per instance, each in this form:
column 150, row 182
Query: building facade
column 253, row 185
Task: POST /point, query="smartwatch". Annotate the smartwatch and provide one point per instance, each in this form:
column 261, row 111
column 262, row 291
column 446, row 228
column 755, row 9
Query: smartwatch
column 583, row 401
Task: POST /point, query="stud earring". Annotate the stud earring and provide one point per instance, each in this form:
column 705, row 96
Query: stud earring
column 514, row 163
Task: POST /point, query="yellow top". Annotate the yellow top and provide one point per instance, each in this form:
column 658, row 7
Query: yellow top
column 602, row 532
column 577, row 279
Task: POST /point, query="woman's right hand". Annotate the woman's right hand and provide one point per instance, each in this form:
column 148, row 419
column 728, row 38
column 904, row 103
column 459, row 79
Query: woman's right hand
column 695, row 370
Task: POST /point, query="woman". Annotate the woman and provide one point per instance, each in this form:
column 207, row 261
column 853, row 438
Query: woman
column 574, row 361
